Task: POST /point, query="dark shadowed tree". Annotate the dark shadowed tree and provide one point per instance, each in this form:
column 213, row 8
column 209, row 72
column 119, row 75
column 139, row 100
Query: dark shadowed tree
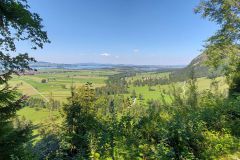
column 17, row 23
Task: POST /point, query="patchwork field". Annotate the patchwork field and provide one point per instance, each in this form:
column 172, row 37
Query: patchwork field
column 58, row 82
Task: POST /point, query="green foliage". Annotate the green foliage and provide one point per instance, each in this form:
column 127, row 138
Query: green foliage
column 223, row 47
column 226, row 14
column 17, row 23
column 14, row 135
column 103, row 123
column 133, row 94
column 80, row 121
column 16, row 15
column 219, row 143
column 115, row 84
column 195, row 125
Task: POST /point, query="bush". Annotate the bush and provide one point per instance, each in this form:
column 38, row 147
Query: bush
column 218, row 144
column 43, row 81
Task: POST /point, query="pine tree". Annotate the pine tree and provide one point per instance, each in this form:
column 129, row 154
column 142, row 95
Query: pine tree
column 112, row 128
column 192, row 90
column 80, row 121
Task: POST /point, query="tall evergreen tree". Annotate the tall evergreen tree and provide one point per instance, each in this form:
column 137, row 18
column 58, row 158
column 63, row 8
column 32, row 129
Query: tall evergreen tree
column 112, row 128
column 80, row 121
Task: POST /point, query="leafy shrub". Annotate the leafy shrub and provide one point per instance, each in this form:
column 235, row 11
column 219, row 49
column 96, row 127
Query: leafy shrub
column 218, row 144
column 43, row 81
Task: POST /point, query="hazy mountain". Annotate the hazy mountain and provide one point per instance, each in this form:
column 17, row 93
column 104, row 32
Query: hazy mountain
column 200, row 69
column 45, row 65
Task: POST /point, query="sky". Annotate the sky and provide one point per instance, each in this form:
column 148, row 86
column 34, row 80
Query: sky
column 156, row 32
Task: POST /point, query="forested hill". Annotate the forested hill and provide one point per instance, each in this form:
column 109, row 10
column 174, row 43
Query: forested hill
column 199, row 67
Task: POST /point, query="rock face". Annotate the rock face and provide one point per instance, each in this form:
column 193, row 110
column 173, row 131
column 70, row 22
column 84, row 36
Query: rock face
column 199, row 60
column 198, row 66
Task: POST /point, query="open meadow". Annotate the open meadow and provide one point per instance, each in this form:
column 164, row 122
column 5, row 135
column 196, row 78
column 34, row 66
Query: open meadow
column 58, row 82
column 160, row 91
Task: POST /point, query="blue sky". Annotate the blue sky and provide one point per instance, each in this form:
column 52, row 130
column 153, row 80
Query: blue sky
column 160, row 32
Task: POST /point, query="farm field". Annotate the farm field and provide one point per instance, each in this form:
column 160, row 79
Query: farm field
column 58, row 82
column 161, row 91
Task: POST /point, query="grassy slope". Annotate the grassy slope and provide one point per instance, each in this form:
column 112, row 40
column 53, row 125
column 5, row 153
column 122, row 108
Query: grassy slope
column 152, row 75
column 36, row 116
column 202, row 83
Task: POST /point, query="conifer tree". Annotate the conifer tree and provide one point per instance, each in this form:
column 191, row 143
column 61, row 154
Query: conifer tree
column 112, row 128
column 80, row 121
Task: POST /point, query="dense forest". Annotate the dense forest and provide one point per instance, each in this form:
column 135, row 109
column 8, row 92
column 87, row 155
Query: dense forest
column 102, row 123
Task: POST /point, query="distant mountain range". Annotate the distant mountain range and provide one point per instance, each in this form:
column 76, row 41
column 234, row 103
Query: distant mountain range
column 46, row 65
column 179, row 72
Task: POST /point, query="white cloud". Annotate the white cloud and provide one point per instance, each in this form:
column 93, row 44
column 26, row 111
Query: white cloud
column 135, row 50
column 105, row 54
column 116, row 56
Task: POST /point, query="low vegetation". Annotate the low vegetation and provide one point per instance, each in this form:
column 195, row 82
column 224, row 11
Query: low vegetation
column 119, row 113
